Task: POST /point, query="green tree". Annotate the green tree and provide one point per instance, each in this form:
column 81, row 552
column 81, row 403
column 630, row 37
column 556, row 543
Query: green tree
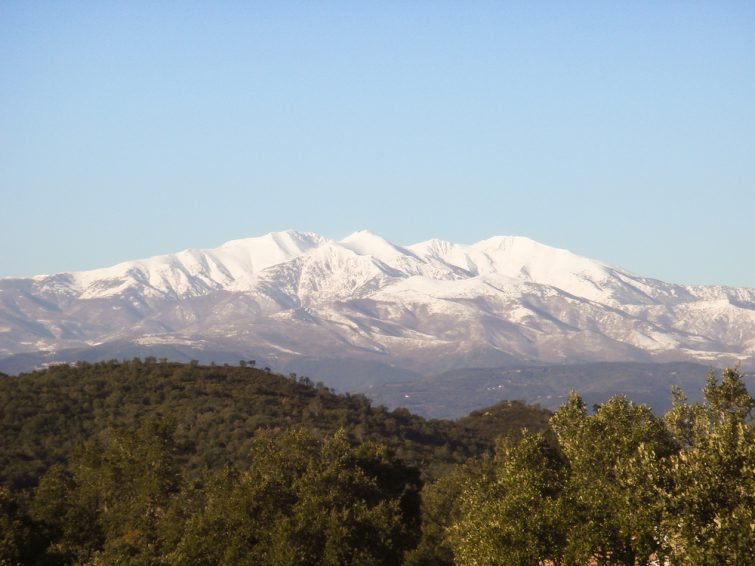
column 307, row 500
column 20, row 540
column 709, row 507
column 111, row 502
column 610, row 496
column 514, row 515
column 69, row 516
column 441, row 508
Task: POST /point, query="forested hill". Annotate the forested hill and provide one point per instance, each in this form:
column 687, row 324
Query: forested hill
column 149, row 462
column 215, row 411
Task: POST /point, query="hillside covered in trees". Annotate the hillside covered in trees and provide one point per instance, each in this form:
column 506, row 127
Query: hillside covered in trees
column 214, row 412
column 150, row 462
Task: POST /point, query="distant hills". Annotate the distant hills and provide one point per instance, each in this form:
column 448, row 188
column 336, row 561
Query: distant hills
column 364, row 311
column 455, row 393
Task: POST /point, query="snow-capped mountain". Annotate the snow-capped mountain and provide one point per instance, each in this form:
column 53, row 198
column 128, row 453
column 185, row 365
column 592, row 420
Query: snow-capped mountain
column 426, row 307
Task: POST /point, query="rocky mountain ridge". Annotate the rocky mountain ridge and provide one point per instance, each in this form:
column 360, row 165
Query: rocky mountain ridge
column 424, row 308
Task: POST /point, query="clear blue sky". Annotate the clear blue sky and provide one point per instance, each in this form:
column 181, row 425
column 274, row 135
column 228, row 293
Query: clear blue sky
column 624, row 131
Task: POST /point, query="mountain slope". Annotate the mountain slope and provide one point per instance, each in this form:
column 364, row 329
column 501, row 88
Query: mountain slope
column 428, row 307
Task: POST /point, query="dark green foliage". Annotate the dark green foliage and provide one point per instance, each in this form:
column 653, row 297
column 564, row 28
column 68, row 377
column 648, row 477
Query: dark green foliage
column 441, row 508
column 509, row 417
column 306, row 500
column 68, row 516
column 303, row 499
column 216, row 411
column 20, row 538
column 112, row 499
column 159, row 463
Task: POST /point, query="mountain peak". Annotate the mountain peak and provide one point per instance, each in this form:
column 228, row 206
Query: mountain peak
column 291, row 241
column 368, row 243
column 364, row 237
column 512, row 244
column 364, row 295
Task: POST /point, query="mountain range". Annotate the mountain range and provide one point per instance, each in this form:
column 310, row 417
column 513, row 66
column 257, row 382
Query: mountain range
column 294, row 299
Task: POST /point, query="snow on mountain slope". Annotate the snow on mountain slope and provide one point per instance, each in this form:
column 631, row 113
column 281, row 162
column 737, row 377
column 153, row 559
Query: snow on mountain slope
column 234, row 265
column 527, row 260
column 422, row 306
column 369, row 244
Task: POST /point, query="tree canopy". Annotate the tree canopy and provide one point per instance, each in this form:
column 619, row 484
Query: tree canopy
column 148, row 462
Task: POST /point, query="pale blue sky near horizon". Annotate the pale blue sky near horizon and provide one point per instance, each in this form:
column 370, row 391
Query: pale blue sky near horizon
column 624, row 132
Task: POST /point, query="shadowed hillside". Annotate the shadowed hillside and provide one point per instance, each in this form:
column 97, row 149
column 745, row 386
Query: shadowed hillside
column 216, row 411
